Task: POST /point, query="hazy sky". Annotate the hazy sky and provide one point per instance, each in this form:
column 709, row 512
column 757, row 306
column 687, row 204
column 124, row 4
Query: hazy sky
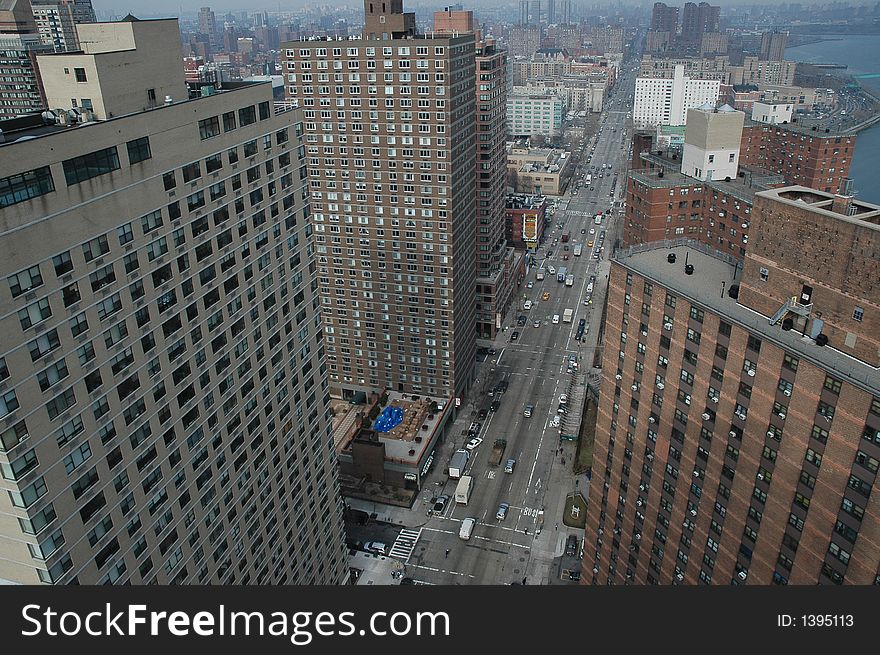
column 173, row 7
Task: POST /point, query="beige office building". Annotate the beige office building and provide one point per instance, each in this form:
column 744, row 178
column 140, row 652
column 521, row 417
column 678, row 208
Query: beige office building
column 163, row 389
column 390, row 142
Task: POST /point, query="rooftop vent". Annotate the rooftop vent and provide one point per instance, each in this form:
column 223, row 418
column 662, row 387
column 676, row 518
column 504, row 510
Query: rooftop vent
column 688, row 269
column 733, row 291
column 670, row 258
column 822, row 339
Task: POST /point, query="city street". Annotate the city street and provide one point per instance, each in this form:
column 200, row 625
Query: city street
column 527, row 545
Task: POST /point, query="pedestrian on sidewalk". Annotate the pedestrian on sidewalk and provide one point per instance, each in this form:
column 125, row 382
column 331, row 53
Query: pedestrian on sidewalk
column 556, row 527
column 447, row 552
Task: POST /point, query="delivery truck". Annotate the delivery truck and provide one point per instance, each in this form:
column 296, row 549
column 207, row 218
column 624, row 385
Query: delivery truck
column 497, row 452
column 463, row 490
column 457, row 463
column 567, row 315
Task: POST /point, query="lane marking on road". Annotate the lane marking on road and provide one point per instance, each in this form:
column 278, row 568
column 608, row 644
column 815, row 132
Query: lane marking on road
column 436, row 570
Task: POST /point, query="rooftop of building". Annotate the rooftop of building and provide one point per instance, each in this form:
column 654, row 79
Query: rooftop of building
column 849, row 210
column 802, row 128
column 408, row 438
column 524, row 201
column 47, row 123
column 713, row 274
column 665, row 173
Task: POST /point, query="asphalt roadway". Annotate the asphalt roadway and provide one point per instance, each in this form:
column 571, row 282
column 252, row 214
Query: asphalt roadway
column 535, row 366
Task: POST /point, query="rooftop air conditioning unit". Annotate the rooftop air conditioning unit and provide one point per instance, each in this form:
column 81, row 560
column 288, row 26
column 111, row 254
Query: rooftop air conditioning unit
column 660, row 385
column 771, row 433
column 644, row 333
column 650, row 456
column 638, row 536
column 651, row 419
column 635, row 387
column 787, row 392
column 742, row 575
column 743, row 416
column 732, row 433
column 679, row 577
column 751, row 372
column 760, row 476
column 595, row 569
column 714, row 399
column 641, row 487
column 639, row 503
column 706, row 416
column 693, row 512
column 782, row 415
column 618, row 377
column 667, row 326
column 696, row 474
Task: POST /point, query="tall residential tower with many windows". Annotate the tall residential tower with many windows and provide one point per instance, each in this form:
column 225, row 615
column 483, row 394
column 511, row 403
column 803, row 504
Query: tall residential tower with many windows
column 390, row 142
column 738, row 436
column 163, row 392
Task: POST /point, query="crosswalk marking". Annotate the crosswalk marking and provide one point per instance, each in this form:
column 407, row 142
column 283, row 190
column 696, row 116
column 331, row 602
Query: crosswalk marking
column 405, row 544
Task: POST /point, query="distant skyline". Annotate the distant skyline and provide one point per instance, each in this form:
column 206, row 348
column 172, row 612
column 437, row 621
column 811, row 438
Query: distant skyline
column 172, row 7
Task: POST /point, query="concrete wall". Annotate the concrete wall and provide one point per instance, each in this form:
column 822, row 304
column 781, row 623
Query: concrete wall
column 118, row 75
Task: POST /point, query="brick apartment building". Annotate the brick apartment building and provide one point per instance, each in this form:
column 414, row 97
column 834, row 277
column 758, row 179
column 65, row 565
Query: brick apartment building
column 739, row 432
column 804, row 156
column 664, row 204
column 390, row 135
column 498, row 264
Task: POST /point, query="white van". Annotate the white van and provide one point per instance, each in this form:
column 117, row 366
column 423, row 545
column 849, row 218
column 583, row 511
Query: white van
column 527, row 305
column 467, row 527
column 555, row 319
column 590, row 288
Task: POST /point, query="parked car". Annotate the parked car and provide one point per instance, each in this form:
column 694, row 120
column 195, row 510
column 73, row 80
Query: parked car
column 375, row 547
column 574, row 576
column 514, row 336
column 494, row 406
column 571, row 545
column 476, row 441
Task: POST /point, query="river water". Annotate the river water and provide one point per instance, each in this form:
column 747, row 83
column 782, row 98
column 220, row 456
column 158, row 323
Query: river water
column 861, row 54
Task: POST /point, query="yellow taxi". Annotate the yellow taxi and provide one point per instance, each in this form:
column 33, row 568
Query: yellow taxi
column 589, row 244
column 545, row 295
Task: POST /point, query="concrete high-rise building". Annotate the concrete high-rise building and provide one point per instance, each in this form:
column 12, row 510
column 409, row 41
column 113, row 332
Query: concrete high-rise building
column 711, row 143
column 523, row 12
column 665, row 101
column 551, row 11
column 93, row 77
column 390, row 132
column 739, row 418
column 538, row 17
column 162, row 372
column 20, row 89
column 208, row 25
column 57, row 20
column 498, row 265
column 773, row 45
column 696, row 20
column 664, row 18
column 524, row 41
column 565, row 12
